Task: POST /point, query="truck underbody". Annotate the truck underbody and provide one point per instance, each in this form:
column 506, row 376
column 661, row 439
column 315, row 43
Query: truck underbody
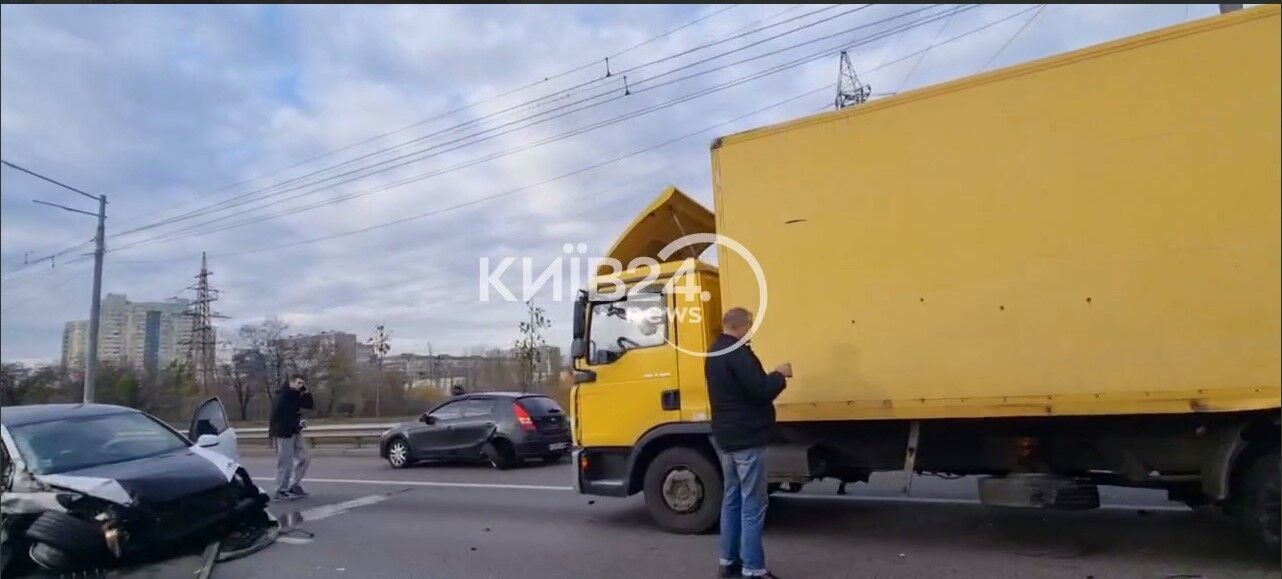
column 1050, row 462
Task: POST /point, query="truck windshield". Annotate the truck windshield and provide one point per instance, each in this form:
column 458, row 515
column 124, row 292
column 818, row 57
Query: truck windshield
column 65, row 445
column 640, row 321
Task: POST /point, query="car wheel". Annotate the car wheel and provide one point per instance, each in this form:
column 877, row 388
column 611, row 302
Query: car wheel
column 398, row 453
column 683, row 491
column 1257, row 503
column 61, row 539
column 499, row 455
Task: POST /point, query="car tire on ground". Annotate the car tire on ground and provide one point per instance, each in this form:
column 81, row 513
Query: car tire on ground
column 683, row 491
column 1257, row 502
column 59, row 539
column 499, row 454
column 398, row 453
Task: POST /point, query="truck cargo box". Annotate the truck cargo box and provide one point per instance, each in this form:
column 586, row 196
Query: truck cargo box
column 1093, row 233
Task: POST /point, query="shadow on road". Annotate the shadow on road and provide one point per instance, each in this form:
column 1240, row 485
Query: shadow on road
column 1192, row 539
column 1170, row 536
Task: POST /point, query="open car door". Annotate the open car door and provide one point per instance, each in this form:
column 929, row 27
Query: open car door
column 210, row 418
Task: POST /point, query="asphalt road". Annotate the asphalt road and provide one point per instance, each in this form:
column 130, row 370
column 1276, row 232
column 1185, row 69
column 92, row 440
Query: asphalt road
column 367, row 520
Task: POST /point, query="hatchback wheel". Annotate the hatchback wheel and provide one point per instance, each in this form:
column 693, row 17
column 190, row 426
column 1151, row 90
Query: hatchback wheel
column 398, row 454
column 499, row 455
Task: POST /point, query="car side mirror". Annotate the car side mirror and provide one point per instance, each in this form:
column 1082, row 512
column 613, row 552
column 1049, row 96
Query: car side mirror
column 207, row 441
column 426, row 419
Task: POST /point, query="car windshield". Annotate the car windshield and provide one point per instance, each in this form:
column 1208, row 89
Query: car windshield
column 64, row 445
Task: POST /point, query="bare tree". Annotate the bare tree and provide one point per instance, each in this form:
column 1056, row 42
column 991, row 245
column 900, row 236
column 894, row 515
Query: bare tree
column 259, row 363
column 530, row 344
column 21, row 384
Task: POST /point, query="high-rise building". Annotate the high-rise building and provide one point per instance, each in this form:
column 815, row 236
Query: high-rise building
column 75, row 340
column 144, row 335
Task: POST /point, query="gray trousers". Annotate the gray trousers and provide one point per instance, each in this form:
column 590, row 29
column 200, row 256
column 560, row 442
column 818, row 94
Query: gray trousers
column 291, row 461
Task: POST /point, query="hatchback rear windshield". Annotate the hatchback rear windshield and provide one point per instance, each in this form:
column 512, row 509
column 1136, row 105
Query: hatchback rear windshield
column 540, row 405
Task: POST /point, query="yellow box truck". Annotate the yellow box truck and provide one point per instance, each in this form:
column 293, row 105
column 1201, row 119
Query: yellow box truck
column 1054, row 276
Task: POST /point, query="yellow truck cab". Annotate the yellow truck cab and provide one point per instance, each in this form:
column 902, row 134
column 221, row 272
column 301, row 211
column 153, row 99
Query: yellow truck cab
column 1054, row 276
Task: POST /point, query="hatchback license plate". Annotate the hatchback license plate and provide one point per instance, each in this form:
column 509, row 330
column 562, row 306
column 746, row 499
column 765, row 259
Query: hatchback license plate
column 558, row 446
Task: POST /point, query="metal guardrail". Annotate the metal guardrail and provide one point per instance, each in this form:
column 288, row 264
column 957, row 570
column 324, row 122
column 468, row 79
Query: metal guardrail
column 354, row 432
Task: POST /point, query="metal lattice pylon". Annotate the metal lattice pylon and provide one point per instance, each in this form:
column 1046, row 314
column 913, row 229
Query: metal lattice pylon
column 850, row 90
column 202, row 344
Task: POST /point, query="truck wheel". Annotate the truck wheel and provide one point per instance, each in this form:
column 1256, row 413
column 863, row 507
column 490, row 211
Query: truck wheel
column 683, row 491
column 1258, row 501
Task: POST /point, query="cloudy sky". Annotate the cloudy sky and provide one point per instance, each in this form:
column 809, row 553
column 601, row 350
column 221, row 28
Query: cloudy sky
column 335, row 164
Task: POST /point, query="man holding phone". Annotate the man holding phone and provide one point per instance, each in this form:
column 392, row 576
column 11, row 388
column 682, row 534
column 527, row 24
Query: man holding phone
column 286, row 429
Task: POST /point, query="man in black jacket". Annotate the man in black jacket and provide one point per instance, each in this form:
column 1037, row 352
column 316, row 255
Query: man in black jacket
column 286, row 429
column 742, row 396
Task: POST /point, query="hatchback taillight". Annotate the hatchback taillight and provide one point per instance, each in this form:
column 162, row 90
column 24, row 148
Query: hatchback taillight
column 523, row 417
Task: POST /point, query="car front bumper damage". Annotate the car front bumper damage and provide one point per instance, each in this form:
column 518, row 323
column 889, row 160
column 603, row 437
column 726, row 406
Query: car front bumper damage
column 63, row 530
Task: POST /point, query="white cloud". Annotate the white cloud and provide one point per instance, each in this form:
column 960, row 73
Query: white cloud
column 161, row 105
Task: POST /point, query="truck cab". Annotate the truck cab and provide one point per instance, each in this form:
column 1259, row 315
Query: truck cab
column 639, row 335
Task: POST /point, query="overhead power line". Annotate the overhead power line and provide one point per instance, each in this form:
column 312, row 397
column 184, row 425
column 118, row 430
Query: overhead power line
column 465, row 107
column 613, row 160
column 1013, row 37
column 482, row 136
column 616, row 159
column 179, row 234
column 670, row 32
column 246, row 197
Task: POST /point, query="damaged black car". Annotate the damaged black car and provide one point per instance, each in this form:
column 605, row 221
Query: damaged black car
column 94, row 486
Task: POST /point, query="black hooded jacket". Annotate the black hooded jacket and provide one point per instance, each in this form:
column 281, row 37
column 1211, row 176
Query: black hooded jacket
column 287, row 411
column 742, row 396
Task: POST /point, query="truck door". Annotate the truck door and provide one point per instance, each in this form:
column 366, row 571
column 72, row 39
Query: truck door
column 630, row 350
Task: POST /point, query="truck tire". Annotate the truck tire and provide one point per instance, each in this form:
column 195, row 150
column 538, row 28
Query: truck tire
column 683, row 491
column 1257, row 503
column 71, row 540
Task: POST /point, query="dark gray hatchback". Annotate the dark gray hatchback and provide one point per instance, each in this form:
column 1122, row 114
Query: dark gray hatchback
column 502, row 428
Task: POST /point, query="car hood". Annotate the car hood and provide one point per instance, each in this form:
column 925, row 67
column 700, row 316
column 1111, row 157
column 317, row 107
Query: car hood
column 153, row 479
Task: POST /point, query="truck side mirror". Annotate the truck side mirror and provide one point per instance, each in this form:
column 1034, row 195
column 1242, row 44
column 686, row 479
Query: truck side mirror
column 578, row 346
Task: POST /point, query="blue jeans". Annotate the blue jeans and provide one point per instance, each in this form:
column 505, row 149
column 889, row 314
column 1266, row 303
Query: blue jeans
column 743, row 509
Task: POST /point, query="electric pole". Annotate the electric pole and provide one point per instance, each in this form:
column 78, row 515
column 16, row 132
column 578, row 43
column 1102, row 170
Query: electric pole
column 95, row 306
column 100, row 245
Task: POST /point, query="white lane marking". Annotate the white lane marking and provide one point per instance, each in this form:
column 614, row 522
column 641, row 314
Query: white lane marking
column 942, row 501
column 856, row 498
column 327, row 511
column 460, row 485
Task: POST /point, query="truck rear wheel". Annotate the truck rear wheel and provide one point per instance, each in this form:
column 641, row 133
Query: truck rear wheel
column 1258, row 502
column 683, row 491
